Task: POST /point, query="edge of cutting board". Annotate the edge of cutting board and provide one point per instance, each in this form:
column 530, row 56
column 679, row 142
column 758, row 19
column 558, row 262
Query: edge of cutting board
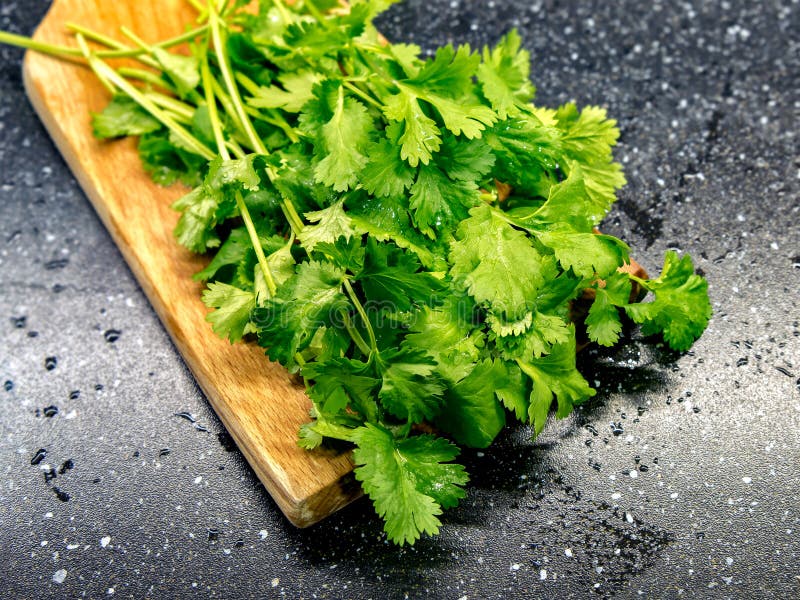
column 258, row 401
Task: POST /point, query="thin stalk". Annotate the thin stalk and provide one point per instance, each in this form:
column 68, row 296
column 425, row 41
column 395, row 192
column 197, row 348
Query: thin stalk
column 219, row 138
column 87, row 54
column 362, row 313
column 146, row 76
column 191, row 142
column 20, row 41
column 134, row 52
column 173, row 104
column 355, row 335
column 235, row 148
column 315, row 12
column 363, row 95
column 275, row 117
column 230, row 84
column 110, row 42
column 286, row 16
column 196, row 5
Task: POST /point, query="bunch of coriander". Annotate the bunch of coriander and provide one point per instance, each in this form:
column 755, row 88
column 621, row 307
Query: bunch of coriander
column 408, row 234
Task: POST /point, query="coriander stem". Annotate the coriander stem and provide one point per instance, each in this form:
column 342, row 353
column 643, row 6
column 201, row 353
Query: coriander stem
column 362, row 313
column 355, row 335
column 110, row 42
column 191, row 142
column 362, row 94
column 20, row 41
column 134, row 52
column 173, row 104
column 146, row 76
column 251, row 231
column 285, row 15
column 276, row 118
column 314, row 11
column 216, row 35
column 87, row 55
column 196, row 5
column 219, row 138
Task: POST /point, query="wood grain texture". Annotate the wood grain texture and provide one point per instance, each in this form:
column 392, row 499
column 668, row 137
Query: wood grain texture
column 257, row 400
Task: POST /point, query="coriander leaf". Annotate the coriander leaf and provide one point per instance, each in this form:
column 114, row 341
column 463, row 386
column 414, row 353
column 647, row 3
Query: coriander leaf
column 567, row 203
column 465, row 160
column 195, row 228
column 602, row 323
column 504, row 75
column 232, row 251
column 554, row 375
column 123, row 117
column 389, row 219
column 446, row 334
column 345, row 254
column 342, row 144
column 233, row 307
column 512, row 390
column 331, row 224
column 236, row 173
column 307, row 301
column 421, row 137
column 166, row 163
column 296, row 91
column 311, row 435
column 183, row 71
column 439, row 202
column 526, row 150
column 411, row 390
column 393, row 276
column 386, row 173
column 449, row 73
column 409, row 480
column 602, row 180
column 681, row 309
column 587, row 254
column 543, row 332
column 341, row 383
column 495, row 263
column 588, row 135
column 471, row 413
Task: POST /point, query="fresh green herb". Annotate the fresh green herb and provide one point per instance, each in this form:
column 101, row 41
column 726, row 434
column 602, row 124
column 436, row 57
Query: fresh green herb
column 356, row 229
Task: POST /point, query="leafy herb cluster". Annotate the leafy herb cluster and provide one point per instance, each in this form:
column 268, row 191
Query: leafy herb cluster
column 347, row 191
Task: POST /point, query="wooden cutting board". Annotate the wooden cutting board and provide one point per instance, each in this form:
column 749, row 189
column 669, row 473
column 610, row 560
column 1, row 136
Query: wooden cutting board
column 259, row 403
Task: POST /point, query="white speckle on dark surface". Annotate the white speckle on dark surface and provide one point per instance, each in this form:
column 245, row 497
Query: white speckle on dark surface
column 60, row 576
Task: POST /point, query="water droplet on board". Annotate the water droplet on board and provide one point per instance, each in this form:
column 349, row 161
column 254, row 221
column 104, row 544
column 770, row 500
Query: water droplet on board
column 50, row 411
column 213, row 534
column 66, row 466
column 188, row 416
column 50, row 363
column 19, row 322
column 39, row 456
column 49, row 475
column 164, row 452
column 112, row 335
column 74, row 394
column 8, row 385
column 616, row 428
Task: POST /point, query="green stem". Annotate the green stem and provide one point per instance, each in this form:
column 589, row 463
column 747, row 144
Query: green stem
column 110, row 42
column 146, row 76
column 191, row 142
column 363, row 95
column 177, row 107
column 88, row 56
column 275, row 117
column 197, row 5
column 219, row 138
column 286, row 17
column 355, row 335
column 363, row 314
column 20, row 41
column 227, row 77
column 135, row 52
column 312, row 8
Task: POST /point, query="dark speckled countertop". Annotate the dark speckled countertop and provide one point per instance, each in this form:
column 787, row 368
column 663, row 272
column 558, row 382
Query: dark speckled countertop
column 679, row 479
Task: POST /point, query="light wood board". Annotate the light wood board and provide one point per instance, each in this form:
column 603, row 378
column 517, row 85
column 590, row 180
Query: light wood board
column 259, row 403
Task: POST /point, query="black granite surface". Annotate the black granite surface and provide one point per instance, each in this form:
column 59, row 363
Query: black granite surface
column 679, row 479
